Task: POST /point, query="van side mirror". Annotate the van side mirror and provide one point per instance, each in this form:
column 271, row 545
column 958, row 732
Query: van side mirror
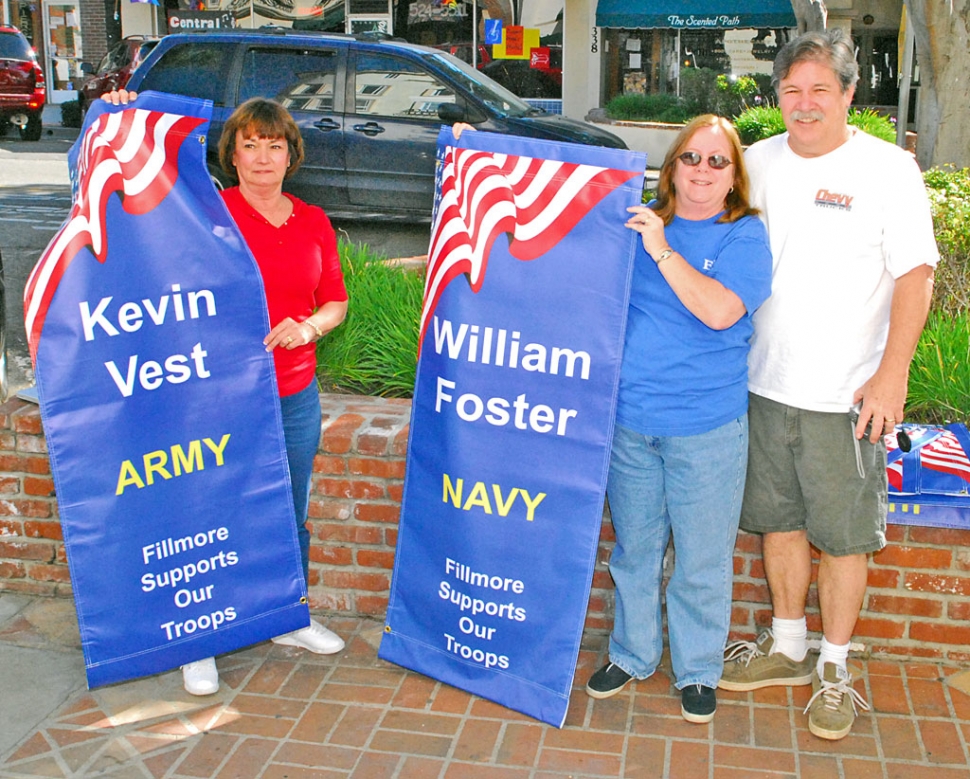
column 449, row 113
column 87, row 68
column 460, row 111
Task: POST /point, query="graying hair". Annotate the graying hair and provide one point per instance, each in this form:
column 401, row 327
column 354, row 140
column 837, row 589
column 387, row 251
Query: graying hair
column 829, row 47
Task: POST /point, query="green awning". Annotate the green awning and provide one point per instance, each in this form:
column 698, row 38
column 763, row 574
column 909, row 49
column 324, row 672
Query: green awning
column 695, row 14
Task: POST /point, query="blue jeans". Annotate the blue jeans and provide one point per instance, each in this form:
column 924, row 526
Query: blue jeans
column 301, row 430
column 691, row 486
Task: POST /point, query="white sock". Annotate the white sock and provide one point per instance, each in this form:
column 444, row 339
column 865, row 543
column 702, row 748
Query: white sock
column 791, row 638
column 832, row 653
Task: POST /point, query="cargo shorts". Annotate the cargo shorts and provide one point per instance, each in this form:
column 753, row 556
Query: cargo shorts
column 807, row 471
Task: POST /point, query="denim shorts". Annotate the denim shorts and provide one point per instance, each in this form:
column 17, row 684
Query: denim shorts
column 807, row 471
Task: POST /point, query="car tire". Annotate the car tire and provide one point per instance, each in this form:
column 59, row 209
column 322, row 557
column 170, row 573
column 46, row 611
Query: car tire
column 33, row 130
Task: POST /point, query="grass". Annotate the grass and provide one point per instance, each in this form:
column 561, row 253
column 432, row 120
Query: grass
column 939, row 377
column 374, row 351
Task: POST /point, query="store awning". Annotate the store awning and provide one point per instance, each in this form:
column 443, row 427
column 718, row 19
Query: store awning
column 695, row 14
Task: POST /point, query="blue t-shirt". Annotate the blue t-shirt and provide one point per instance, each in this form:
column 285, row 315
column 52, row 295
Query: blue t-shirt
column 679, row 377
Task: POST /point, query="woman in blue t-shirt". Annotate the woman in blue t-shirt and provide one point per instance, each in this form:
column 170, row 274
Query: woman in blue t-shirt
column 679, row 452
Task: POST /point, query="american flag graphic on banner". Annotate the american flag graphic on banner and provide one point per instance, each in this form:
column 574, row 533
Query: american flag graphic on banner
column 133, row 152
column 942, row 454
column 483, row 194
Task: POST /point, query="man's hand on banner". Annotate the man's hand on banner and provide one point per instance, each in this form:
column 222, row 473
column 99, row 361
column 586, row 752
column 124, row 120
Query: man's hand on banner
column 458, row 127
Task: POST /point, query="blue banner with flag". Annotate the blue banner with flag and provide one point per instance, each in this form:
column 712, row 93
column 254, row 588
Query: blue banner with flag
column 145, row 318
column 929, row 480
column 521, row 338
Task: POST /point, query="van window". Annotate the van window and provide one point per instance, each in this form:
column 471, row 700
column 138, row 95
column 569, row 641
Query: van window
column 298, row 79
column 388, row 86
column 193, row 70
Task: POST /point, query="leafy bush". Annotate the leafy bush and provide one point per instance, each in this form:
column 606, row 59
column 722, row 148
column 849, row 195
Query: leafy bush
column 374, row 351
column 873, row 123
column 756, row 124
column 71, row 114
column 698, row 90
column 949, row 193
column 760, row 122
column 648, row 108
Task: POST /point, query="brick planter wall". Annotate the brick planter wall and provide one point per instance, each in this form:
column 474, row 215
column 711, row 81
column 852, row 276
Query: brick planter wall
column 917, row 603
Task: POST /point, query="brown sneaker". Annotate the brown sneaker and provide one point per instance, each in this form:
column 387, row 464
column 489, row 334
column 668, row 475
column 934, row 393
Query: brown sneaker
column 834, row 703
column 751, row 666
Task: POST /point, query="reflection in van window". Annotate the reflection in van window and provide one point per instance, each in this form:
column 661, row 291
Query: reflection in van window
column 300, row 80
column 388, row 86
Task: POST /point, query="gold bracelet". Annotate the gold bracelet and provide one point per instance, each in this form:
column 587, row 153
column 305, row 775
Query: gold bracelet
column 316, row 329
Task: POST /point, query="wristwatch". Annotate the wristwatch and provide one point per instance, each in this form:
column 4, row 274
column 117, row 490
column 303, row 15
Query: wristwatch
column 663, row 255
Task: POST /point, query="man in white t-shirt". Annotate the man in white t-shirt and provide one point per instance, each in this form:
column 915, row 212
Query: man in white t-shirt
column 852, row 239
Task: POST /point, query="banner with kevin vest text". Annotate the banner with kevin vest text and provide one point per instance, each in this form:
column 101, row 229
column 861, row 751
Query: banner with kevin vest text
column 521, row 339
column 145, row 318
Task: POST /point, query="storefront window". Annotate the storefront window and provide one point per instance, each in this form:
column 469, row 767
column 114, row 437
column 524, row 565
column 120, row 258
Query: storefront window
column 656, row 61
column 64, row 45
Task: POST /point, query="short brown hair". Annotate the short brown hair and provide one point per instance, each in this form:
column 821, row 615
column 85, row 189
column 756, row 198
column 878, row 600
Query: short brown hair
column 736, row 203
column 260, row 118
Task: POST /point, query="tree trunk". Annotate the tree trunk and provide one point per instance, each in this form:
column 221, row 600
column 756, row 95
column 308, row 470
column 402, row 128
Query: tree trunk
column 810, row 14
column 942, row 32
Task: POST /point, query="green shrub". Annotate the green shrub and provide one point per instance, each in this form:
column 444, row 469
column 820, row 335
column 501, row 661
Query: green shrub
column 374, row 351
column 939, row 377
column 698, row 90
column 757, row 123
column 949, row 193
column 71, row 114
column 760, row 122
column 648, row 108
column 873, row 123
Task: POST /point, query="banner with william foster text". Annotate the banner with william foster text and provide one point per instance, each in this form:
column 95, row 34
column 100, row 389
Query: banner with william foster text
column 521, row 339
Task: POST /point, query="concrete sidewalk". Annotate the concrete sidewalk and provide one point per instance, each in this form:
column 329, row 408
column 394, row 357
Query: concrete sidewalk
column 283, row 712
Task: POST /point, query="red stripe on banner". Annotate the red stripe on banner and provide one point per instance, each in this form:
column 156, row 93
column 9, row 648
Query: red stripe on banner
column 99, row 152
column 477, row 183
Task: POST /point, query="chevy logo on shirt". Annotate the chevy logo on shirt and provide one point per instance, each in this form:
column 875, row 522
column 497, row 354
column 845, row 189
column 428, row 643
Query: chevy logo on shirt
column 827, row 199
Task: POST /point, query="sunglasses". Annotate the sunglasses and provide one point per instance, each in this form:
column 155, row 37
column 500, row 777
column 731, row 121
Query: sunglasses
column 692, row 159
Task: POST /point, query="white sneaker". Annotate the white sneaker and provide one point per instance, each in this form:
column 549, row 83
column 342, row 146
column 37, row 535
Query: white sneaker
column 201, row 677
column 315, row 638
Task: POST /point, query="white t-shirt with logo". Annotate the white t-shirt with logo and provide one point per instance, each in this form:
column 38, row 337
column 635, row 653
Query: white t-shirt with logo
column 842, row 227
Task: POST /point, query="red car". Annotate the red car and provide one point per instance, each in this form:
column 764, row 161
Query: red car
column 22, row 88
column 115, row 67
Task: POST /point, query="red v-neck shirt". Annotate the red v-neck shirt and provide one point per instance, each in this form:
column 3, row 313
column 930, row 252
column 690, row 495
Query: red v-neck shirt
column 301, row 271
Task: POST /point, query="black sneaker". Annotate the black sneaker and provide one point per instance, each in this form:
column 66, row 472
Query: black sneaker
column 607, row 681
column 698, row 703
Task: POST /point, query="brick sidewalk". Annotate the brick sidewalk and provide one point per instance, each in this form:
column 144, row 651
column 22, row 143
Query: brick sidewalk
column 283, row 712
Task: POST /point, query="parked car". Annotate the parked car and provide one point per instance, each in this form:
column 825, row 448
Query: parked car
column 115, row 67
column 369, row 110
column 22, row 88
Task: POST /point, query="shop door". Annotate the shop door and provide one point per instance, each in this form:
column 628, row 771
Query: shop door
column 62, row 31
